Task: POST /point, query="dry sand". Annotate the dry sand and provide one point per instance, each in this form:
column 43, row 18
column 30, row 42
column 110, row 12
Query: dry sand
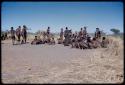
column 59, row 64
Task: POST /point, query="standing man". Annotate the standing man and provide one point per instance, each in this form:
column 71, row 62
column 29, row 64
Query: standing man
column 81, row 33
column 66, row 32
column 61, row 34
column 85, row 33
column 24, row 33
column 66, row 35
column 97, row 33
column 12, row 31
column 60, row 40
column 48, row 34
column 18, row 33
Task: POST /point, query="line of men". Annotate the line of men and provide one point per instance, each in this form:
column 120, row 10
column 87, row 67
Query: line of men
column 81, row 39
column 19, row 33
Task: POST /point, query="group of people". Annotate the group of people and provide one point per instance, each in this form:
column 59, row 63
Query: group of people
column 47, row 38
column 4, row 36
column 79, row 39
column 19, row 33
column 82, row 39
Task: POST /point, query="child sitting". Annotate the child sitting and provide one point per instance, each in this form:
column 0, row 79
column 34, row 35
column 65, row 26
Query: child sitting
column 35, row 41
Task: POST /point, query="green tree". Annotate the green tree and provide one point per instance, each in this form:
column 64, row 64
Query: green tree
column 115, row 31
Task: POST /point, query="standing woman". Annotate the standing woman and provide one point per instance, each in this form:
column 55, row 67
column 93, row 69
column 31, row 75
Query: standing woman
column 24, row 33
column 12, row 31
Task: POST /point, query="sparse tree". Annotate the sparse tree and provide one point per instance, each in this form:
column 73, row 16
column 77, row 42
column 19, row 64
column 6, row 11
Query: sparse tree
column 115, row 31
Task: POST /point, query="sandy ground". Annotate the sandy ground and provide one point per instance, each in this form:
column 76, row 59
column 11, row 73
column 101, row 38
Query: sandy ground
column 59, row 64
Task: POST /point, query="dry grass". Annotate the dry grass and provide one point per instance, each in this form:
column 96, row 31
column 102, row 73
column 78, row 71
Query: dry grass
column 102, row 65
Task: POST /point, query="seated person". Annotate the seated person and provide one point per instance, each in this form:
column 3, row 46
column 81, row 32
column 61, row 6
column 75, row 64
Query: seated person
column 52, row 41
column 83, row 44
column 89, row 42
column 44, row 40
column 39, row 40
column 60, row 41
column 48, row 40
column 77, row 43
column 95, row 43
column 74, row 42
column 80, row 44
column 35, row 41
column 104, row 42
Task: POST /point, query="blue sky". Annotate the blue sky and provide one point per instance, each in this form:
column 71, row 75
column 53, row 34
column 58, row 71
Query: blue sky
column 74, row 15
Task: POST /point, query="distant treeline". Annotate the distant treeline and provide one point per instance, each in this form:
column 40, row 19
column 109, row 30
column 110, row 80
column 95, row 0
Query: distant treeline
column 121, row 35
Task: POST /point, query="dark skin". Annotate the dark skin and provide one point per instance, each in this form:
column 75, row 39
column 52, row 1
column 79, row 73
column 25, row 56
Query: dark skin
column 25, row 33
column 13, row 36
column 81, row 29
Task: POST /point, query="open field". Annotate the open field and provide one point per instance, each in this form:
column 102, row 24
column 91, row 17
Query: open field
column 59, row 64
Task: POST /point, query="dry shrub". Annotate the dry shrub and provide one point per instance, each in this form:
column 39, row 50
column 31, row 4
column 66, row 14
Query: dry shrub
column 106, row 64
column 115, row 45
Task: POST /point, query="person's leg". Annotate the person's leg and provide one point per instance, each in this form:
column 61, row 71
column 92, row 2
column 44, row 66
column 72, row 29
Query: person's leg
column 31, row 42
column 22, row 42
column 25, row 39
column 18, row 39
column 13, row 40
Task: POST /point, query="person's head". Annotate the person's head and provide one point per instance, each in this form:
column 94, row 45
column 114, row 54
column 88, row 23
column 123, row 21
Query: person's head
column 84, row 28
column 81, row 29
column 97, row 29
column 24, row 26
column 11, row 28
column 94, row 39
column 48, row 27
column 19, row 26
column 66, row 28
column 35, row 37
column 103, row 38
